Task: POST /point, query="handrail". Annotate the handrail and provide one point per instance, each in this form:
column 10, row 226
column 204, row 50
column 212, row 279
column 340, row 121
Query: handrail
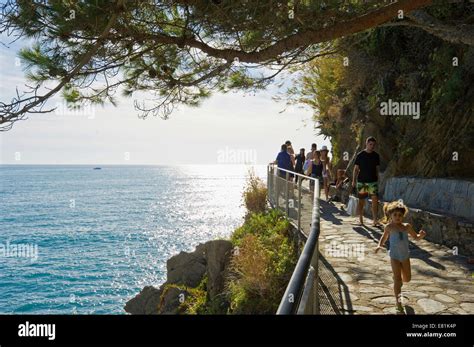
column 293, row 172
column 305, row 274
column 294, row 290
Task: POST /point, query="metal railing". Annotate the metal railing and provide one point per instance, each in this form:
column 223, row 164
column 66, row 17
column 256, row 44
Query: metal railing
column 301, row 294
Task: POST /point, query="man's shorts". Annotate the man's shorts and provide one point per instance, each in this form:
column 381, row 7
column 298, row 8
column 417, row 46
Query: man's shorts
column 367, row 189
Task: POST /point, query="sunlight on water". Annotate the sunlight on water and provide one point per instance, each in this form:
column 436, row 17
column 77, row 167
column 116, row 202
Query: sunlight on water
column 102, row 235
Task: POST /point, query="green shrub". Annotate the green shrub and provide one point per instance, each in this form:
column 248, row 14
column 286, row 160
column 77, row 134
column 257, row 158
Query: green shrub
column 262, row 266
column 265, row 224
column 255, row 194
column 195, row 303
column 198, row 302
column 195, row 299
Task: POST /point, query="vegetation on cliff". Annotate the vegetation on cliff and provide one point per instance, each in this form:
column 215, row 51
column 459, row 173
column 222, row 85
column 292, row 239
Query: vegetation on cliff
column 254, row 195
column 401, row 64
column 261, row 265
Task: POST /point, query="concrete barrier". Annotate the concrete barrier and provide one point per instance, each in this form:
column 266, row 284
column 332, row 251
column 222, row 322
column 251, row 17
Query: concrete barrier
column 443, row 195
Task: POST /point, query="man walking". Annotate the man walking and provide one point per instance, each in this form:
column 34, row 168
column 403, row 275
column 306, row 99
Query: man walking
column 365, row 178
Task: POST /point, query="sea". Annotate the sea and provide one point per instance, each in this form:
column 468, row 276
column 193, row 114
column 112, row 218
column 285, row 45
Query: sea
column 80, row 240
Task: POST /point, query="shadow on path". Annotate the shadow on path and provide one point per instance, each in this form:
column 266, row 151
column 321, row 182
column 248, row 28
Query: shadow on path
column 329, row 213
column 334, row 291
column 409, row 310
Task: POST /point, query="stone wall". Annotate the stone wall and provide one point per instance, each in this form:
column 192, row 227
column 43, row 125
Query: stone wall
column 443, row 207
column 447, row 196
column 454, row 232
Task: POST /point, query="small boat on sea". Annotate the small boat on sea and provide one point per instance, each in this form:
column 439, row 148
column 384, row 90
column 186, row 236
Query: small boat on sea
column 97, row 168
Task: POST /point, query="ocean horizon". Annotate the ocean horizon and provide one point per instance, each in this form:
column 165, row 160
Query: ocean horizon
column 74, row 240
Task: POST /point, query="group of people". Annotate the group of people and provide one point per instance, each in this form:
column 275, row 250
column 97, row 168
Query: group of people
column 317, row 164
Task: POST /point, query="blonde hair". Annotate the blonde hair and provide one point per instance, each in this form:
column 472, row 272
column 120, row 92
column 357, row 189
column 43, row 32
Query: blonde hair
column 394, row 206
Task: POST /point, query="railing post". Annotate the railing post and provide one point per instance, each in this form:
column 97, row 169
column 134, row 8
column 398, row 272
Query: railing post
column 287, row 194
column 269, row 187
column 299, row 204
column 315, row 307
column 268, row 182
column 316, row 280
column 277, row 197
column 309, row 309
column 304, row 282
column 273, row 184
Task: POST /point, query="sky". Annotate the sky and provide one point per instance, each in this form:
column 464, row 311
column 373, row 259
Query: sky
column 228, row 128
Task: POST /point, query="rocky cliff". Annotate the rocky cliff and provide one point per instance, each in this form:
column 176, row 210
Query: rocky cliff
column 410, row 67
column 186, row 271
column 397, row 65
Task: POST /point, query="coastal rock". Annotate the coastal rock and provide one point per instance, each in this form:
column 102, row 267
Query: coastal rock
column 145, row 302
column 210, row 259
column 217, row 254
column 186, row 268
column 171, row 299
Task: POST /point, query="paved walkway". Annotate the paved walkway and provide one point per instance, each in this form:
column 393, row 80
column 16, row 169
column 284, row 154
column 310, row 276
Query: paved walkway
column 355, row 280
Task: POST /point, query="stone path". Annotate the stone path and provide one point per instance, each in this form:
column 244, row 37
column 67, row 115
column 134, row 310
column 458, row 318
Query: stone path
column 356, row 280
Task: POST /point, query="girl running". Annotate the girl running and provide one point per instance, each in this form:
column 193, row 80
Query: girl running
column 398, row 232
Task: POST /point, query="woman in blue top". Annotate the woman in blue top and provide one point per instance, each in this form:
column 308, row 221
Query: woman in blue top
column 398, row 232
